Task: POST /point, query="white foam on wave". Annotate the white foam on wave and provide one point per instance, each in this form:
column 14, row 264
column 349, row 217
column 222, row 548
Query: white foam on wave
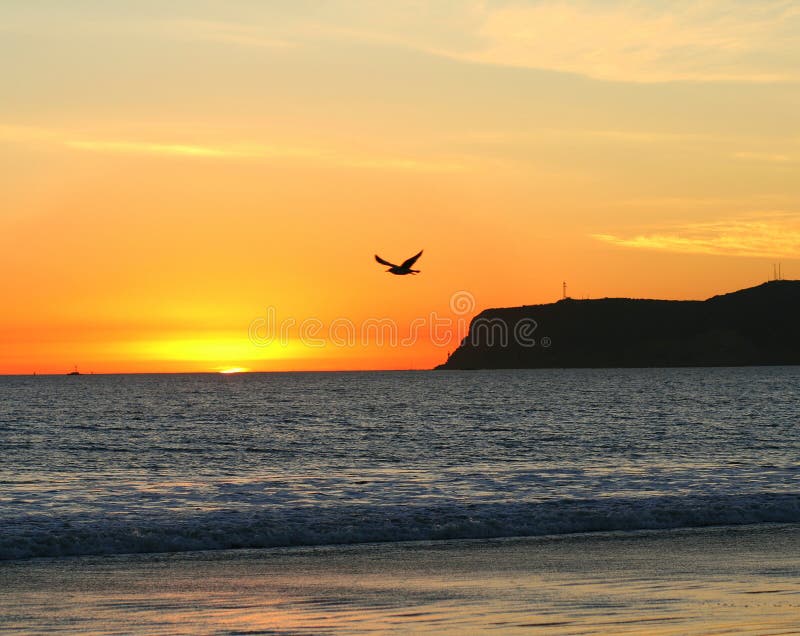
column 29, row 537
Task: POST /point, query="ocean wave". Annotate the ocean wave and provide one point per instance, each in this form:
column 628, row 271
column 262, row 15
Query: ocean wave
column 30, row 537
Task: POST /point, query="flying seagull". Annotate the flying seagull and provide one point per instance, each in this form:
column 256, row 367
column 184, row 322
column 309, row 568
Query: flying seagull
column 400, row 270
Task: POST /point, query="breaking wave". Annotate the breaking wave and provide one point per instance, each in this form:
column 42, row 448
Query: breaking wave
column 39, row 536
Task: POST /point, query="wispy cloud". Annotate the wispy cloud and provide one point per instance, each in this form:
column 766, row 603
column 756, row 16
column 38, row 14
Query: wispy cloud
column 326, row 155
column 151, row 148
column 632, row 136
column 768, row 235
column 740, row 204
column 616, row 40
column 646, row 41
column 763, row 156
column 193, row 150
column 23, row 134
column 225, row 33
column 410, row 165
column 334, row 155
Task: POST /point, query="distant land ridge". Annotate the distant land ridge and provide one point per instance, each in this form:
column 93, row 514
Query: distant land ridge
column 755, row 326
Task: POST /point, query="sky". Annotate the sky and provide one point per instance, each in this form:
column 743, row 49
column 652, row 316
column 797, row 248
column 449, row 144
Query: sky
column 201, row 185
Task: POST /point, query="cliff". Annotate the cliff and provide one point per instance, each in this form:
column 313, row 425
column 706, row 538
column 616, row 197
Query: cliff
column 755, row 326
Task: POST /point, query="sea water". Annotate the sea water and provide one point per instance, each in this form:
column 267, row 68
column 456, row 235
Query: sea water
column 114, row 464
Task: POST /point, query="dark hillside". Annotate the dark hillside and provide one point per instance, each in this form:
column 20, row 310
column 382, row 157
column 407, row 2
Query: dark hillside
column 760, row 325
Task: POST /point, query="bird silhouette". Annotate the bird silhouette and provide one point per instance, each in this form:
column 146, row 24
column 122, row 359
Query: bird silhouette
column 401, row 270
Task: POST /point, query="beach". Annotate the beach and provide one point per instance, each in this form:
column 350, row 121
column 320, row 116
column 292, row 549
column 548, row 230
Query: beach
column 741, row 580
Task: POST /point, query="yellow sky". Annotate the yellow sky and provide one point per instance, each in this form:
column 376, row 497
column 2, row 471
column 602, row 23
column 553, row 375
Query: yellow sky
column 173, row 172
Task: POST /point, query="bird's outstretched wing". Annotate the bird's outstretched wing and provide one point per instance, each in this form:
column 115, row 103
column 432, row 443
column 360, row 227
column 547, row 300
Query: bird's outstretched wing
column 383, row 262
column 408, row 263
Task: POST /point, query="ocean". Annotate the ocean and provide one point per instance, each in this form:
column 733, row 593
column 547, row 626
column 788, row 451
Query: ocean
column 118, row 464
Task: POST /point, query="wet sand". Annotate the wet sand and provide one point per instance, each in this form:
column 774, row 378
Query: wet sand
column 735, row 580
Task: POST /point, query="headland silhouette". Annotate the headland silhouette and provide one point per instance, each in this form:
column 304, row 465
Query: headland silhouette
column 755, row 326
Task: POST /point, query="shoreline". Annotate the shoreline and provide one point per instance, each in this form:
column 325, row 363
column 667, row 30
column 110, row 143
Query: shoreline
column 232, row 553
column 744, row 579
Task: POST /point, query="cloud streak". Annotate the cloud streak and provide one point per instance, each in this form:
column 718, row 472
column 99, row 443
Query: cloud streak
column 645, row 41
column 376, row 160
column 224, row 33
column 370, row 161
column 152, row 148
column 194, row 150
column 641, row 41
column 775, row 235
column 768, row 157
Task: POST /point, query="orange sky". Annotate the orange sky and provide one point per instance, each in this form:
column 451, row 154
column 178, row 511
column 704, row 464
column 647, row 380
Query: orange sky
column 170, row 175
